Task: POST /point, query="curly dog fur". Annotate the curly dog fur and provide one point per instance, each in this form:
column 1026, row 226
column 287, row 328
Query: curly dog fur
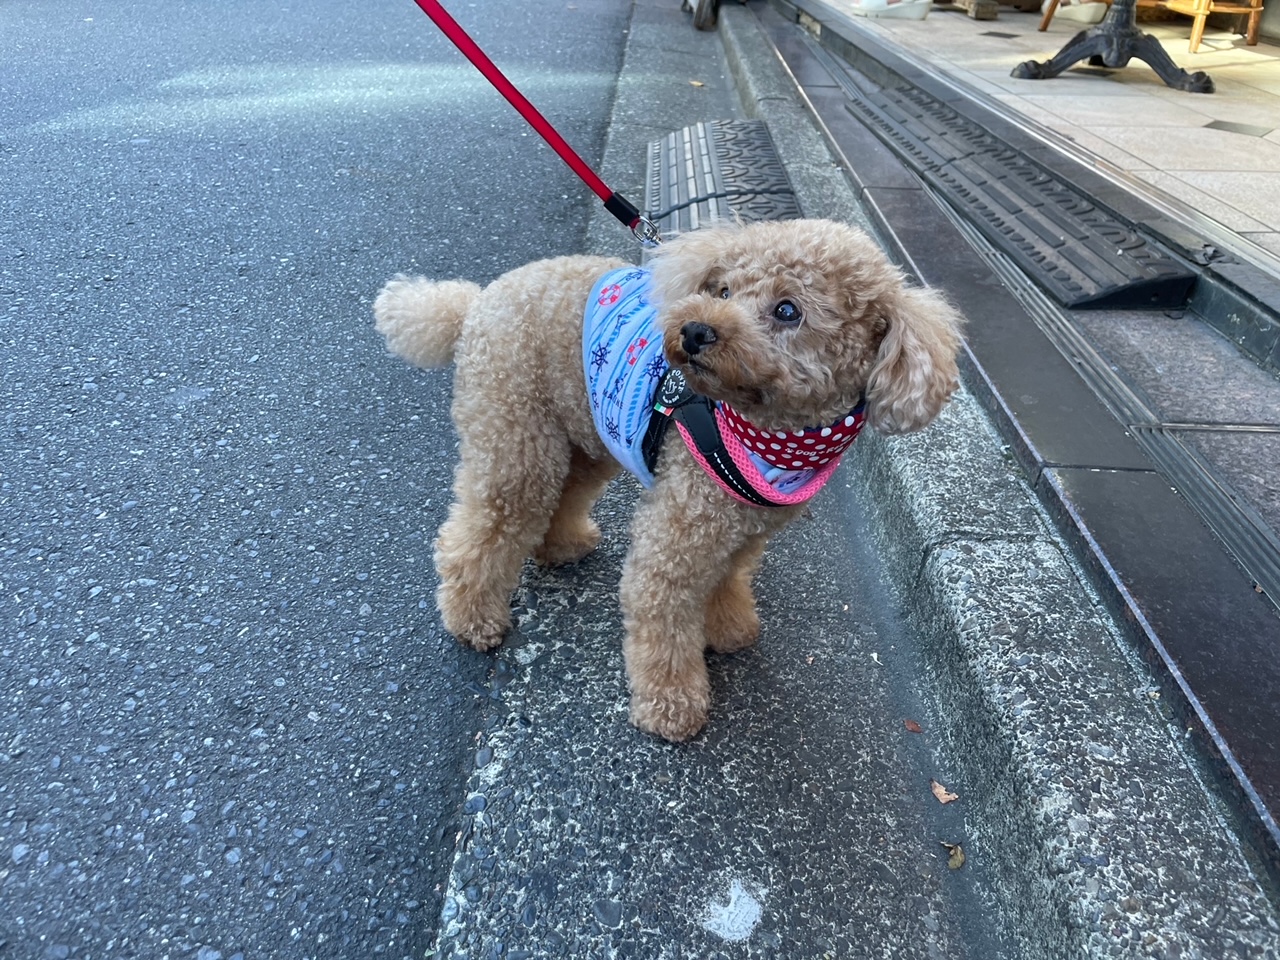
column 532, row 464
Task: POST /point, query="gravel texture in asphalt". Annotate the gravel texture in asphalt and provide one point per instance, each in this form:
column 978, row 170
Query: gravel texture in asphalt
column 229, row 724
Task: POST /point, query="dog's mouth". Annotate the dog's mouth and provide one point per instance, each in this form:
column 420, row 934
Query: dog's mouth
column 701, row 375
column 703, row 378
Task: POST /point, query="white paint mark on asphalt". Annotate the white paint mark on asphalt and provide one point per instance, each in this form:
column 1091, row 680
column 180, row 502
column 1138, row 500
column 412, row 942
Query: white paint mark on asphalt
column 735, row 920
column 528, row 653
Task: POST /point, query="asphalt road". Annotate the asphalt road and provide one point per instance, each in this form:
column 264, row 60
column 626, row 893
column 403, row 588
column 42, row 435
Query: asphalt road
column 229, row 724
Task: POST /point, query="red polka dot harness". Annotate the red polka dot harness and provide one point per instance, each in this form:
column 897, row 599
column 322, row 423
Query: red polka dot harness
column 758, row 467
column 796, row 449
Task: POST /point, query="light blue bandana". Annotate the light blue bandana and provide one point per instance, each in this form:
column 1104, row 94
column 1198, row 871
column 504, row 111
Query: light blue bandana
column 623, row 360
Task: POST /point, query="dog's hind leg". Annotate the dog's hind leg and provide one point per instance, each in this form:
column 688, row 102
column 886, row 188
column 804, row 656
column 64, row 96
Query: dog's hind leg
column 732, row 621
column 501, row 512
column 572, row 533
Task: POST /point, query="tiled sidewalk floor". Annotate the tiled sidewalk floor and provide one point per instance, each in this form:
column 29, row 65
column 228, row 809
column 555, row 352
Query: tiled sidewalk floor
column 1218, row 153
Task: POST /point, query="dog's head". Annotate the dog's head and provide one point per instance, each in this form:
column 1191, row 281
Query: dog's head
column 792, row 321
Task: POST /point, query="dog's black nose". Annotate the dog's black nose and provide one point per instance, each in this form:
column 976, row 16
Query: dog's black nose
column 696, row 337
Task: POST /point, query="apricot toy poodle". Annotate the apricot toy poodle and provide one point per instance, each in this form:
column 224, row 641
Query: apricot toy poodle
column 767, row 347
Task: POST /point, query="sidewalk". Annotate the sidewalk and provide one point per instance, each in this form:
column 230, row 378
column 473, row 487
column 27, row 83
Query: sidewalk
column 1211, row 158
column 793, row 827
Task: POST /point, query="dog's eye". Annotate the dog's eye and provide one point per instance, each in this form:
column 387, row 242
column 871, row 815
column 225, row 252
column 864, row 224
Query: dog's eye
column 724, row 293
column 787, row 312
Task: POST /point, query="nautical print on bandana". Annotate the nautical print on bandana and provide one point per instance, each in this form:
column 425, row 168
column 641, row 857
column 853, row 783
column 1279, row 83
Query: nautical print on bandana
column 623, row 361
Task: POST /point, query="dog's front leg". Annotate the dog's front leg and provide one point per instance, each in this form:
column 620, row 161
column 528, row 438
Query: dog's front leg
column 732, row 621
column 681, row 546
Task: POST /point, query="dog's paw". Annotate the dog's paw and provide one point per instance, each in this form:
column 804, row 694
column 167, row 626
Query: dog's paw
column 482, row 639
column 733, row 641
column 560, row 550
column 673, row 715
column 731, row 630
column 470, row 625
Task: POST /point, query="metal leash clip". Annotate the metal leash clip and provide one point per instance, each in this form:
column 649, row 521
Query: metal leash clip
column 618, row 205
column 646, row 231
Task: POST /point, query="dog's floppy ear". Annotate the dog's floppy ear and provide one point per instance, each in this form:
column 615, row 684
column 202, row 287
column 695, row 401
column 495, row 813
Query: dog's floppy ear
column 915, row 372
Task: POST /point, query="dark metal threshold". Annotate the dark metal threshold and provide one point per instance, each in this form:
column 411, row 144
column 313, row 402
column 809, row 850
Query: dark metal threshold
column 1081, row 255
column 1236, row 297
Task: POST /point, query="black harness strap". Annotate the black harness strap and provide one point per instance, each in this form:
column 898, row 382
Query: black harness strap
column 675, row 400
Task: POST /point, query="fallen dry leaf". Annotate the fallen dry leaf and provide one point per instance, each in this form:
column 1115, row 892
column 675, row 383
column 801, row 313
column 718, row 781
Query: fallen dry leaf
column 911, row 725
column 955, row 858
column 696, row 83
column 942, row 793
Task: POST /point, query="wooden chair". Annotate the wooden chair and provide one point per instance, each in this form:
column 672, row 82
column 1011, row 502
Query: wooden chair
column 1199, row 10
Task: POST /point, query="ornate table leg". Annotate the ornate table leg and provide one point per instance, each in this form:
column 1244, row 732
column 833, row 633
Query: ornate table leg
column 1113, row 43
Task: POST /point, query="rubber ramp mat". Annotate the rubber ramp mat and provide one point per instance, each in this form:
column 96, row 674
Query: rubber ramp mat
column 1079, row 253
column 719, row 170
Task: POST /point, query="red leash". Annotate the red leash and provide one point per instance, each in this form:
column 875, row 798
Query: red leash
column 614, row 202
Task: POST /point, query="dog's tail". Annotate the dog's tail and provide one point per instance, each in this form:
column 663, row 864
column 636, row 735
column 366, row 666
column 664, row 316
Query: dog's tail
column 421, row 319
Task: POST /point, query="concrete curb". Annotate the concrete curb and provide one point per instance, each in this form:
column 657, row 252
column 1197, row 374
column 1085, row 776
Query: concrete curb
column 769, row 93
column 653, row 90
column 1080, row 798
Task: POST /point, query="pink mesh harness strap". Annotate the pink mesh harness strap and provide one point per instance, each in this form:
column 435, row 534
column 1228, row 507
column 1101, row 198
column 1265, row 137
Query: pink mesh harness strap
column 713, row 442
column 749, row 485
